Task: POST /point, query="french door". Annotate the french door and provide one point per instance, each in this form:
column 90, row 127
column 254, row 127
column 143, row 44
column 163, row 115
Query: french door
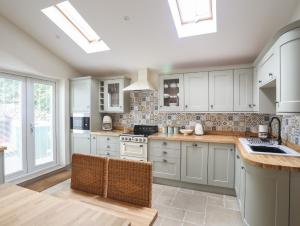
column 27, row 124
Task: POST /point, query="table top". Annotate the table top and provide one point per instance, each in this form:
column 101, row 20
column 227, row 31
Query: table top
column 20, row 206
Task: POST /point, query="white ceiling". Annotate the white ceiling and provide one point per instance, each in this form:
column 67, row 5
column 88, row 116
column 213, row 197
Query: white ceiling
column 149, row 38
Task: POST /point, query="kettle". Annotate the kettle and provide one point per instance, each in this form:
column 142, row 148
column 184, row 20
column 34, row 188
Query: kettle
column 199, row 129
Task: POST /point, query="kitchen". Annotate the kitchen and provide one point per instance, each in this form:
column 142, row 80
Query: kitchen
column 219, row 128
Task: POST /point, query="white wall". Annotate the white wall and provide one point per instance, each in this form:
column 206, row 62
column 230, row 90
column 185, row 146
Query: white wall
column 296, row 15
column 21, row 54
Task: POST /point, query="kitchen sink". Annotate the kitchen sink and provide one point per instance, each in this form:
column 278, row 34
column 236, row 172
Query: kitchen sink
column 267, row 149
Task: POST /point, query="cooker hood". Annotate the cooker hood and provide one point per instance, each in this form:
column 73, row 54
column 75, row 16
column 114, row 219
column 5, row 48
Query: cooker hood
column 142, row 84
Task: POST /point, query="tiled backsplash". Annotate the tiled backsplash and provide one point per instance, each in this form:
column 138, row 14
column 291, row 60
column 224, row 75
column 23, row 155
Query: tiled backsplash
column 144, row 110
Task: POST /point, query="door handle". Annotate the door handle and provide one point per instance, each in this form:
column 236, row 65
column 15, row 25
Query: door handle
column 31, row 128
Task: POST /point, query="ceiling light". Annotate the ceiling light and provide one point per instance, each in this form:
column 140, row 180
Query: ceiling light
column 194, row 17
column 67, row 18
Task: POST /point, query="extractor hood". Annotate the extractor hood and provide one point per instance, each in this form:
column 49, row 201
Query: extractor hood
column 142, row 83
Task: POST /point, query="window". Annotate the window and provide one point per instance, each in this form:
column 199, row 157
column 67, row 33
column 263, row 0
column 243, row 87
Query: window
column 27, row 124
column 67, row 18
column 194, row 17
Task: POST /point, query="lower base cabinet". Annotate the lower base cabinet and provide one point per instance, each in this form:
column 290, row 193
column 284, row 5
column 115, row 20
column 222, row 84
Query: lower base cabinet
column 221, row 165
column 108, row 146
column 194, row 162
column 80, row 143
column 295, row 199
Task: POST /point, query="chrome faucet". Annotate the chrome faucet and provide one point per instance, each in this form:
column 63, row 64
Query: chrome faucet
column 279, row 140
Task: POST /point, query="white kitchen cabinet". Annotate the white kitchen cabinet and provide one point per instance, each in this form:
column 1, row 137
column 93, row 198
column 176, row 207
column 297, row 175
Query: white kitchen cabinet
column 105, row 145
column 165, row 158
column 266, row 197
column 115, row 100
column 255, row 91
column 171, row 92
column 288, row 69
column 196, row 91
column 194, row 156
column 221, row 165
column 237, row 176
column 221, row 90
column 243, row 88
column 80, row 95
column 266, row 68
column 80, row 143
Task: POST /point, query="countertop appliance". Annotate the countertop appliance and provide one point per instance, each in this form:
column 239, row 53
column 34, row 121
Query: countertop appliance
column 199, row 129
column 134, row 145
column 80, row 123
column 107, row 123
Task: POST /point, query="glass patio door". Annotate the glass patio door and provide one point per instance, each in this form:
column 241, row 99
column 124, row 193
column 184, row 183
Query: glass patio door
column 27, row 124
column 13, row 124
column 41, row 124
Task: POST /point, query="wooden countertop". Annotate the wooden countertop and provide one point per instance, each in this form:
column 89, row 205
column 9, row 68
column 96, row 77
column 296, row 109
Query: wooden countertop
column 2, row 148
column 114, row 133
column 20, row 206
column 265, row 161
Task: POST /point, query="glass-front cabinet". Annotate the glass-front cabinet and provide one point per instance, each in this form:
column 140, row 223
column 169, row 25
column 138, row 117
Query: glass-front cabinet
column 171, row 93
column 112, row 96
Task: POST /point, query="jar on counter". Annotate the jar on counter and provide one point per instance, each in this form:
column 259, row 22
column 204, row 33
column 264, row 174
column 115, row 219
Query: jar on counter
column 170, row 130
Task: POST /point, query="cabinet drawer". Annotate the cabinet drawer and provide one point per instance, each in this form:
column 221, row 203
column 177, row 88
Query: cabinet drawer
column 164, row 152
column 108, row 147
column 108, row 139
column 168, row 168
column 108, row 153
column 164, row 144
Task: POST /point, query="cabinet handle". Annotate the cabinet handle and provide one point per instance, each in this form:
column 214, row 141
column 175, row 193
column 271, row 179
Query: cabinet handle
column 164, row 143
column 276, row 102
column 250, row 105
column 260, row 81
column 164, row 152
column 107, row 146
column 243, row 167
column 270, row 75
column 107, row 138
column 141, row 146
column 231, row 149
column 186, row 106
column 195, row 145
column 238, row 157
column 107, row 153
column 211, row 106
column 254, row 105
column 94, row 138
column 88, row 138
column 164, row 160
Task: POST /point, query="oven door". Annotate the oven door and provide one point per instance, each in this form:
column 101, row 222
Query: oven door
column 80, row 123
column 132, row 149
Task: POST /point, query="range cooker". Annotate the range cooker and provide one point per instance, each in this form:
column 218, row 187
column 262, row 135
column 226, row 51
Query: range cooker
column 135, row 145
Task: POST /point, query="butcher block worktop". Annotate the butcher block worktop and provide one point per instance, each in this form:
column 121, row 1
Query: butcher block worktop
column 265, row 161
column 115, row 133
column 20, row 206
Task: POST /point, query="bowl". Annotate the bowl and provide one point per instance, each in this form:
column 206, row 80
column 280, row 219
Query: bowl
column 186, row 132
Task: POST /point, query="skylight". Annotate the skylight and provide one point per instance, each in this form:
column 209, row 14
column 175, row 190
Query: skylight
column 194, row 17
column 67, row 18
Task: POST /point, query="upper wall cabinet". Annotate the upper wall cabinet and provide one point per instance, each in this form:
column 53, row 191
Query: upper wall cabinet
column 80, row 91
column 171, row 96
column 288, row 67
column 266, row 68
column 243, row 83
column 112, row 97
column 196, row 91
column 221, row 90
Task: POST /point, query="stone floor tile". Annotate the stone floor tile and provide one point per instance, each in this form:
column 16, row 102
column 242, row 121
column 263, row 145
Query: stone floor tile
column 170, row 222
column 215, row 201
column 169, row 212
column 232, row 204
column 189, row 202
column 195, row 218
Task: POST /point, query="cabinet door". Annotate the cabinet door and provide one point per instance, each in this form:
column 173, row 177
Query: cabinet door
column 294, row 199
column 194, row 157
column 221, row 90
column 113, row 91
column 288, row 92
column 196, row 91
column 221, row 165
column 243, row 81
column 80, row 95
column 171, row 95
column 255, row 90
column 237, row 176
column 80, row 143
column 94, row 145
column 266, row 197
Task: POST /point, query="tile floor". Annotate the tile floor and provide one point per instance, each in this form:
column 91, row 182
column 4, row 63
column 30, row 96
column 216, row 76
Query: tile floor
column 184, row 207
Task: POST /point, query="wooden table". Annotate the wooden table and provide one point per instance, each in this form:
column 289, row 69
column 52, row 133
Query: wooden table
column 20, row 206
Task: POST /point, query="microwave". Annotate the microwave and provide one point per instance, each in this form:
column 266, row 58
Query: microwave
column 80, row 123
